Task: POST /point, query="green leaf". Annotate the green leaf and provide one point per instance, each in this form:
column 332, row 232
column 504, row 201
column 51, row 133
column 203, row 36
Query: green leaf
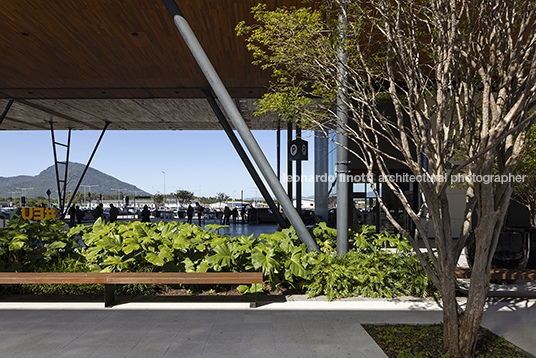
column 264, row 260
column 223, row 256
column 154, row 259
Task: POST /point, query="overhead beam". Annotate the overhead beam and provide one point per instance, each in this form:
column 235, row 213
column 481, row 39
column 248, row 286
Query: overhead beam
column 57, row 114
column 238, row 122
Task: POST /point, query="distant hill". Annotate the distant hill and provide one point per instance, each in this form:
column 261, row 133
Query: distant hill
column 47, row 180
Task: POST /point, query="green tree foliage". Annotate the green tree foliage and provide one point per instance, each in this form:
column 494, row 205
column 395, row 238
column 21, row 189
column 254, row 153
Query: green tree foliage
column 440, row 87
column 184, row 196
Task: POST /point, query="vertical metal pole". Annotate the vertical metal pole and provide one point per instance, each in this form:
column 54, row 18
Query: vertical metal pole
column 278, row 146
column 278, row 150
column 298, row 176
column 66, row 167
column 245, row 159
column 290, row 177
column 4, row 114
column 321, row 176
column 377, row 209
column 343, row 192
column 238, row 122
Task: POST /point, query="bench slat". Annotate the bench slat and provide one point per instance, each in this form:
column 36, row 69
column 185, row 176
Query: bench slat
column 501, row 274
column 130, row 277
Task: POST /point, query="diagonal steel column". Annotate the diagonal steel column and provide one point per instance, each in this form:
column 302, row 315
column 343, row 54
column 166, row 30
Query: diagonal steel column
column 238, row 122
column 4, row 114
column 86, row 168
column 245, row 159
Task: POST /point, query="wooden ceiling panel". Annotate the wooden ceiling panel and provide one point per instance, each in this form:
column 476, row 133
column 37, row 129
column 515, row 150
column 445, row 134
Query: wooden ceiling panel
column 121, row 44
column 109, row 55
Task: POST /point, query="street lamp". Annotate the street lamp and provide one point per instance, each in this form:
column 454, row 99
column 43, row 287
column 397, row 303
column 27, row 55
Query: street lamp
column 163, row 172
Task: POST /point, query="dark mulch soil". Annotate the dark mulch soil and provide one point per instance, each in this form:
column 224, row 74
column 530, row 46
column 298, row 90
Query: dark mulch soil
column 416, row 341
column 218, row 290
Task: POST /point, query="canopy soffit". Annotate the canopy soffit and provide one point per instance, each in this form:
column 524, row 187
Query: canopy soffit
column 82, row 63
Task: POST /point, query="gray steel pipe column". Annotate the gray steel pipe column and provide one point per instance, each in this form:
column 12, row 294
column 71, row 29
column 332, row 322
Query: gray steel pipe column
column 238, row 122
column 343, row 192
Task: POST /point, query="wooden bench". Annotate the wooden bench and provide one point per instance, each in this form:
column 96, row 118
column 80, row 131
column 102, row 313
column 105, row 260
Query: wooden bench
column 110, row 279
column 501, row 274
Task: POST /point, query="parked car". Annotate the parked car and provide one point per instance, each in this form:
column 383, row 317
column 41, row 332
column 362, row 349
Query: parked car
column 264, row 215
column 4, row 214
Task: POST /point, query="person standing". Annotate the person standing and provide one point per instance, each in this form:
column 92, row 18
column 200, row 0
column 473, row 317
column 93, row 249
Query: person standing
column 226, row 215
column 235, row 215
column 99, row 212
column 72, row 216
column 79, row 214
column 199, row 209
column 243, row 214
column 114, row 212
column 190, row 213
column 145, row 215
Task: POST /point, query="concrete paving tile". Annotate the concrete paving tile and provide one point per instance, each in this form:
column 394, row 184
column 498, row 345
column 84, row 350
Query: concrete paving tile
column 257, row 334
column 294, row 350
column 266, row 350
column 149, row 350
column 327, row 336
column 72, row 351
column 184, row 349
column 289, row 336
column 338, row 351
column 195, row 332
column 258, row 317
column 224, row 337
column 215, row 350
column 40, row 350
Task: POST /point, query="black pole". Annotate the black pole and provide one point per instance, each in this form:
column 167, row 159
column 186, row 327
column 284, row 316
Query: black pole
column 66, row 166
column 299, row 176
column 290, row 179
column 86, row 168
column 245, row 159
column 278, row 145
column 4, row 114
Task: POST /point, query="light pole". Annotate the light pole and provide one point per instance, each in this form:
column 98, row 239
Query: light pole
column 163, row 172
column 85, row 189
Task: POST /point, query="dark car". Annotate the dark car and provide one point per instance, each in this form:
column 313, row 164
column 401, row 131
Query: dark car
column 4, row 214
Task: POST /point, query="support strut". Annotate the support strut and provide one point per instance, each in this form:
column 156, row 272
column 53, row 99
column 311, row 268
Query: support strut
column 245, row 159
column 232, row 111
column 61, row 183
column 4, row 114
column 86, row 168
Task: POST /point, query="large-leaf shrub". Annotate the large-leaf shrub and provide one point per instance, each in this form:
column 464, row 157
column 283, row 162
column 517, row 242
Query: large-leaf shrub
column 31, row 246
column 369, row 268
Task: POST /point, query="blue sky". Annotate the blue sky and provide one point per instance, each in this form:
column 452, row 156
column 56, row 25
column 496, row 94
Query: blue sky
column 203, row 162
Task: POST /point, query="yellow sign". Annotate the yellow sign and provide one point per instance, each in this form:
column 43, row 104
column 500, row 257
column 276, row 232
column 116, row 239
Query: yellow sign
column 40, row 213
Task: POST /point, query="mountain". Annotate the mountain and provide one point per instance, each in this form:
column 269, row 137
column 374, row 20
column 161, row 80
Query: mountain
column 47, row 180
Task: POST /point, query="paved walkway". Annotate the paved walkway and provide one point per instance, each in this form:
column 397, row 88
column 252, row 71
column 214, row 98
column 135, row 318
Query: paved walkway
column 215, row 327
